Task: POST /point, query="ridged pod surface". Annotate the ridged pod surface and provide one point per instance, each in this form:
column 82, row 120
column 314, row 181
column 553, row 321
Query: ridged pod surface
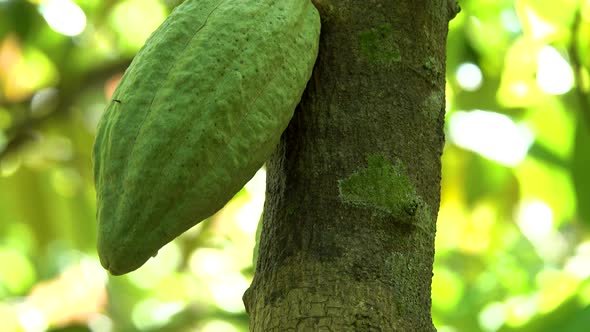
column 197, row 113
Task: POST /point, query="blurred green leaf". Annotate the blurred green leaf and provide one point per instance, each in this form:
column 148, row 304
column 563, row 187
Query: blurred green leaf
column 485, row 179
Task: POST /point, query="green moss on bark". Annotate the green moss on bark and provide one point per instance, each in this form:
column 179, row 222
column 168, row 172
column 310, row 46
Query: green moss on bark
column 378, row 45
column 385, row 187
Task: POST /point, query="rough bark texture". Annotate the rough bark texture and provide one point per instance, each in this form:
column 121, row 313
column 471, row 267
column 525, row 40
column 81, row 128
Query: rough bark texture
column 371, row 119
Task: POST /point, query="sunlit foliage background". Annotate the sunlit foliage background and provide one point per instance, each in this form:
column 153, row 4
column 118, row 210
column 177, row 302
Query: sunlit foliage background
column 513, row 248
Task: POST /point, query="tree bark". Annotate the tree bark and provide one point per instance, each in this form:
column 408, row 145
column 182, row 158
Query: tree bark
column 353, row 188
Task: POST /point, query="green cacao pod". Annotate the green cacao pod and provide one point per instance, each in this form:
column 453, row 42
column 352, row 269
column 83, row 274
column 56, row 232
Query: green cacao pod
column 197, row 113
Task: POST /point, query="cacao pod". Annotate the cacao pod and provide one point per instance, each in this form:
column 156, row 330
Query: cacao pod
column 197, row 113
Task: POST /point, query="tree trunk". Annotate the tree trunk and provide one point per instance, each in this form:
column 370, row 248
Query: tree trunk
column 353, row 188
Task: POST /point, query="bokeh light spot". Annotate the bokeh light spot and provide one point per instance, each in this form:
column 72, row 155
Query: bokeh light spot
column 579, row 264
column 469, row 76
column 536, row 220
column 227, row 291
column 209, row 262
column 554, row 74
column 510, row 21
column 520, row 309
column 100, row 323
column 492, row 317
column 218, row 326
column 493, row 135
column 165, row 262
column 248, row 215
column 150, row 13
column 44, row 101
column 64, row 16
column 151, row 313
column 17, row 273
column 32, row 319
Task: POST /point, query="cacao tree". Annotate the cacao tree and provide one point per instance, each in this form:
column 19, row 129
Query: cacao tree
column 353, row 188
